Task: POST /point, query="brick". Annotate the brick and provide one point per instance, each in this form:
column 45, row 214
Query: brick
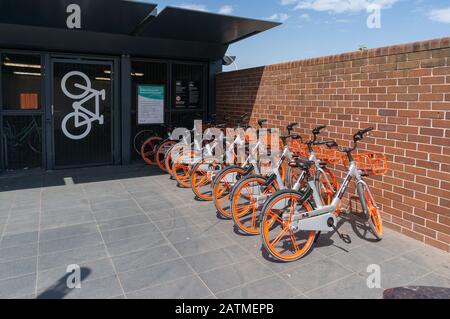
column 437, row 244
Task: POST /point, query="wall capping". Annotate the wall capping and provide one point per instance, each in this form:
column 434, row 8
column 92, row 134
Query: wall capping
column 412, row 47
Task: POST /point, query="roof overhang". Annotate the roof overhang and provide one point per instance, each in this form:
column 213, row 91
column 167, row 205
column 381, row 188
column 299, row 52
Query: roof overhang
column 121, row 22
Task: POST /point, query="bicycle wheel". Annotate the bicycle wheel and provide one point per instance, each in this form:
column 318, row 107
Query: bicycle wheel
column 279, row 238
column 172, row 155
column 201, row 179
column 247, row 201
column 372, row 212
column 224, row 183
column 148, row 149
column 140, row 138
column 181, row 169
column 161, row 153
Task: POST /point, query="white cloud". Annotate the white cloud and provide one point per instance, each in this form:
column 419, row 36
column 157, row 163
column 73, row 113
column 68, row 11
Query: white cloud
column 339, row 6
column 227, row 9
column 440, row 15
column 193, row 6
column 287, row 2
column 305, row 16
column 282, row 17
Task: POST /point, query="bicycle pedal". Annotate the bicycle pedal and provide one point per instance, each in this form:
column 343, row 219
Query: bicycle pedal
column 345, row 238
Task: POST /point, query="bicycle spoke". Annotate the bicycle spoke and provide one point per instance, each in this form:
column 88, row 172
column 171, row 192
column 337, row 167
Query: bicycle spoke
column 280, row 235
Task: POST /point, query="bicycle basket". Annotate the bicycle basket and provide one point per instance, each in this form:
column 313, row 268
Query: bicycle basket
column 330, row 155
column 297, row 148
column 371, row 163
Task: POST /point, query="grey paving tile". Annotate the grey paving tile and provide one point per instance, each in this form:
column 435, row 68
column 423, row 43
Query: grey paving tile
column 123, row 222
column 217, row 258
column 18, row 287
column 268, row 288
column 22, row 216
column 66, row 220
column 400, row 272
column 21, row 227
column 186, row 288
column 109, row 198
column 202, row 245
column 143, row 242
column 314, row 275
column 63, row 203
column 179, row 222
column 18, row 252
column 18, row 268
column 144, row 258
column 397, row 243
column 428, row 257
column 432, row 280
column 277, row 266
column 95, row 289
column 65, row 211
column 161, row 204
column 67, row 231
column 443, row 270
column 88, row 240
column 19, row 239
column 73, row 256
column 90, row 270
column 128, row 232
column 191, row 232
column 172, row 213
column 127, row 203
column 114, row 213
column 231, row 276
column 360, row 258
column 352, row 287
column 157, row 274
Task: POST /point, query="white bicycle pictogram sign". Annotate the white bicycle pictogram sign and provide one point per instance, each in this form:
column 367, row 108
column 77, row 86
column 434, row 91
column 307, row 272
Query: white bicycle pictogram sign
column 82, row 116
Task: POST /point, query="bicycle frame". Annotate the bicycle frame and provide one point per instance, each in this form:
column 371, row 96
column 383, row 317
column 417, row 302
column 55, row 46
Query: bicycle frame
column 78, row 106
column 319, row 219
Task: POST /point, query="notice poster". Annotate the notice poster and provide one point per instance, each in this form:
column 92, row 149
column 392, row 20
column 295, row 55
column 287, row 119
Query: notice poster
column 194, row 94
column 150, row 104
column 181, row 94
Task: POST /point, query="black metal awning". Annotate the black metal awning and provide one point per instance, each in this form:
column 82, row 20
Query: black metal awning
column 108, row 16
column 183, row 24
column 133, row 18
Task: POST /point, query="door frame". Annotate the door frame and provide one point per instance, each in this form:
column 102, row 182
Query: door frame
column 115, row 116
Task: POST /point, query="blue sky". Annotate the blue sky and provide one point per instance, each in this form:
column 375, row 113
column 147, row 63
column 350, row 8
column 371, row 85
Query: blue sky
column 313, row 28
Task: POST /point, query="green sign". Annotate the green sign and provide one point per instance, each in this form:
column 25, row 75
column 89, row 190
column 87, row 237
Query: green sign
column 150, row 104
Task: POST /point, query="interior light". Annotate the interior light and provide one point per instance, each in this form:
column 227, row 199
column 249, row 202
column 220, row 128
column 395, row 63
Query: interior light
column 137, row 74
column 22, row 65
column 28, row 73
column 102, row 79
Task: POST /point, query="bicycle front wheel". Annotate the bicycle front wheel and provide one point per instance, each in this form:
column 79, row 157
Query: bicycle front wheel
column 279, row 235
column 223, row 186
column 371, row 211
column 247, row 201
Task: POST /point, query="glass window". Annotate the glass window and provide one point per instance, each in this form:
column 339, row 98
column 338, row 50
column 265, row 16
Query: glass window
column 21, row 81
column 22, row 136
column 187, row 86
column 146, row 74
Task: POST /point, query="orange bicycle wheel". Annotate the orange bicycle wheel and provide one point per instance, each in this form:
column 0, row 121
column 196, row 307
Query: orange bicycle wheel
column 181, row 169
column 247, row 201
column 162, row 152
column 283, row 241
column 148, row 149
column 328, row 188
column 202, row 178
column 375, row 222
column 173, row 153
column 226, row 180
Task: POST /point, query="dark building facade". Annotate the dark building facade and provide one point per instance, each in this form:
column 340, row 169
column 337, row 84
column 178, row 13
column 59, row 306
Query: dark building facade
column 80, row 78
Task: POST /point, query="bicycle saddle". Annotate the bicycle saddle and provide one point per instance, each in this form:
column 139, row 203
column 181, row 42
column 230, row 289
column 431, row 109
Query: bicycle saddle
column 305, row 165
column 261, row 122
column 291, row 127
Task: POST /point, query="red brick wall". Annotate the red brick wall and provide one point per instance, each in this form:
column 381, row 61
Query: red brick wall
column 403, row 91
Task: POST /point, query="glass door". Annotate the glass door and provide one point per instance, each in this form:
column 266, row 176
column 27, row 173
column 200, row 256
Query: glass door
column 82, row 107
